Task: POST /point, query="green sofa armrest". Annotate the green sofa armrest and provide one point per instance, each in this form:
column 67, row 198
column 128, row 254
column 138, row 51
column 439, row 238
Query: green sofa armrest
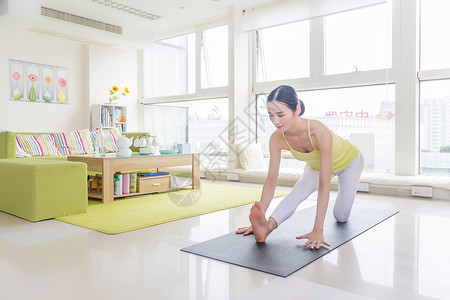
column 135, row 134
column 7, row 144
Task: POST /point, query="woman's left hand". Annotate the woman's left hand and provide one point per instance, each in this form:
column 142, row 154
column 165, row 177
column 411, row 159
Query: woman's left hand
column 315, row 239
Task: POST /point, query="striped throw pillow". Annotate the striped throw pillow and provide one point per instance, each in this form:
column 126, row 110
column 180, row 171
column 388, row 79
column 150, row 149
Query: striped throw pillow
column 111, row 136
column 37, row 144
column 74, row 142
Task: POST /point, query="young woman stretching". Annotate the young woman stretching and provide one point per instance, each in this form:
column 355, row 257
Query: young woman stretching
column 326, row 155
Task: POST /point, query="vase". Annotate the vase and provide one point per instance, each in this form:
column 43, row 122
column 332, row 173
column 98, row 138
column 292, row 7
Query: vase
column 61, row 97
column 47, row 96
column 32, row 95
column 17, row 94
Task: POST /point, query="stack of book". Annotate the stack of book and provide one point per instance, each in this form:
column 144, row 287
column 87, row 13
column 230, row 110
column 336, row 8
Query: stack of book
column 125, row 183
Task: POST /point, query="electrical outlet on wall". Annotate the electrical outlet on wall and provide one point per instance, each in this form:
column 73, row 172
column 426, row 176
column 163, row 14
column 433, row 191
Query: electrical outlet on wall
column 363, row 187
column 422, row 191
column 233, row 177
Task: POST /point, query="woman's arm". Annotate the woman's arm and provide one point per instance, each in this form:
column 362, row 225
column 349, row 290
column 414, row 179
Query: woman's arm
column 272, row 175
column 324, row 140
column 324, row 143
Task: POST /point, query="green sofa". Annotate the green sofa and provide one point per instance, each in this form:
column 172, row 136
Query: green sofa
column 39, row 188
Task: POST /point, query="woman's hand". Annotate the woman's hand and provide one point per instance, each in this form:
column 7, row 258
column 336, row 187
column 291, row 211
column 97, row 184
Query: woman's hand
column 245, row 230
column 315, row 239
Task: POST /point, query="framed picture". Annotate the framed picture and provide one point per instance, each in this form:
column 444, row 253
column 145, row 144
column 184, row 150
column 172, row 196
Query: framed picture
column 32, row 82
column 48, row 89
column 33, row 91
column 18, row 76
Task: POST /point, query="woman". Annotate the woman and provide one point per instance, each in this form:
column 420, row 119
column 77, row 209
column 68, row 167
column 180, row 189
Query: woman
column 326, row 155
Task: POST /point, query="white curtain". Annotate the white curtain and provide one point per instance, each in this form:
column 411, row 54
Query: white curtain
column 168, row 123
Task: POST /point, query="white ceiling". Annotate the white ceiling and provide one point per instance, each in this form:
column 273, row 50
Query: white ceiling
column 175, row 14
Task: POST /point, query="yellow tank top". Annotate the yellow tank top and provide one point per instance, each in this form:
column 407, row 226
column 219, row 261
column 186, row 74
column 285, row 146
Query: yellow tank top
column 343, row 153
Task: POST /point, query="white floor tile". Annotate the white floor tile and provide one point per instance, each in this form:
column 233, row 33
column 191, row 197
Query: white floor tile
column 405, row 257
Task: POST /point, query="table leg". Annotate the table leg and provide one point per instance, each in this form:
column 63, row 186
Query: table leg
column 108, row 182
column 196, row 171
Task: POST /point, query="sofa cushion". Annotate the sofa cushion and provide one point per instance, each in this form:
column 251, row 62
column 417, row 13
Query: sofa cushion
column 111, row 136
column 250, row 156
column 20, row 152
column 74, row 142
column 37, row 144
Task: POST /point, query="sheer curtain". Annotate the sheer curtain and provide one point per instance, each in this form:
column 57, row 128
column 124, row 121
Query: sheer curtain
column 168, row 123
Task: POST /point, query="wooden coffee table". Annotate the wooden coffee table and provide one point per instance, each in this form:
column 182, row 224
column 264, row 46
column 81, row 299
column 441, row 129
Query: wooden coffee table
column 109, row 164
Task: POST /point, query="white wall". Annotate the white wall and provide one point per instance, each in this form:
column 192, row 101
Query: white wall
column 42, row 49
column 108, row 67
column 92, row 72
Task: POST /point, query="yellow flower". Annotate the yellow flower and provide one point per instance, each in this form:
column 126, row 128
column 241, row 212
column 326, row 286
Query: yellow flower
column 115, row 94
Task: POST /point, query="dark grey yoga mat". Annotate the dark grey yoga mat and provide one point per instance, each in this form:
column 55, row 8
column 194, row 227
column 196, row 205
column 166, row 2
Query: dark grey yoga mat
column 282, row 254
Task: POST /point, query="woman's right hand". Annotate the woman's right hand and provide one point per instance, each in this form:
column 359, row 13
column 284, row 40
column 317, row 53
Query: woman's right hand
column 245, row 230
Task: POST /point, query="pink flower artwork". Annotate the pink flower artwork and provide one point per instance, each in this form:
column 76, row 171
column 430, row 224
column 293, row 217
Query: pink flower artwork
column 62, row 82
column 32, row 77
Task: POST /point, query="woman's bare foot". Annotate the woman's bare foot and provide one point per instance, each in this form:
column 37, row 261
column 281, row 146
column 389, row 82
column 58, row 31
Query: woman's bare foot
column 261, row 227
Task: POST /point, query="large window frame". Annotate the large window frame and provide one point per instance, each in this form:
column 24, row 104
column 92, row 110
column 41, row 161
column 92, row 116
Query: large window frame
column 318, row 79
column 427, row 75
column 200, row 93
column 404, row 73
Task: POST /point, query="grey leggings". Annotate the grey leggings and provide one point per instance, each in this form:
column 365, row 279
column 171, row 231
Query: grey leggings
column 348, row 180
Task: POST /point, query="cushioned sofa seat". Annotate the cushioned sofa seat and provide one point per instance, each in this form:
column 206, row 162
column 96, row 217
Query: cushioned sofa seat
column 38, row 189
column 289, row 176
column 378, row 183
column 397, row 180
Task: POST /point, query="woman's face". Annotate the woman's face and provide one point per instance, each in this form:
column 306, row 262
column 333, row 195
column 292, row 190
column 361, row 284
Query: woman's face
column 280, row 115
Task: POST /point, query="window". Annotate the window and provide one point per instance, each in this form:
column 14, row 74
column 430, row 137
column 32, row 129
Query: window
column 201, row 123
column 283, row 52
column 435, row 127
column 364, row 115
column 434, row 94
column 169, row 67
column 358, row 40
column 214, row 53
column 434, row 46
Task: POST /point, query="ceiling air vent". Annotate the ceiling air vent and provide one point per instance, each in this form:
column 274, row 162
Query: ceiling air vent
column 64, row 16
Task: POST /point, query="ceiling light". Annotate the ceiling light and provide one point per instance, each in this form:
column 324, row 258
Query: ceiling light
column 128, row 9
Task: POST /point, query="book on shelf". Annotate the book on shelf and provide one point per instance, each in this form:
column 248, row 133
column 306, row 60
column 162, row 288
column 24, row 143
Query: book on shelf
column 148, row 174
column 106, row 117
column 121, row 127
column 125, row 183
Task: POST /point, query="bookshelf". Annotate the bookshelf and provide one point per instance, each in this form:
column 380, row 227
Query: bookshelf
column 110, row 116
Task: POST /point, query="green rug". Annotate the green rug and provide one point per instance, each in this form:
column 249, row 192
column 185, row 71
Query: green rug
column 127, row 214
